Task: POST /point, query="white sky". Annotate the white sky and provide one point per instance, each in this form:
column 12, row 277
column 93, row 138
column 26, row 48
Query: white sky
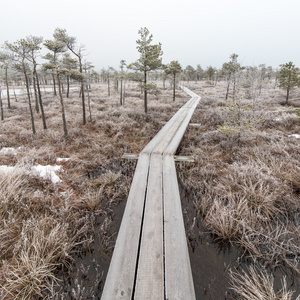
column 193, row 32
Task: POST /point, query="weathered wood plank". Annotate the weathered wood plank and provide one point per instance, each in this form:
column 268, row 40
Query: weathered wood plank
column 150, row 272
column 162, row 133
column 150, row 228
column 120, row 279
column 178, row 274
column 173, row 145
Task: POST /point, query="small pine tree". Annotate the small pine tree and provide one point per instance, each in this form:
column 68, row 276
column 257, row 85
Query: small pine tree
column 173, row 68
column 289, row 77
column 150, row 59
column 240, row 118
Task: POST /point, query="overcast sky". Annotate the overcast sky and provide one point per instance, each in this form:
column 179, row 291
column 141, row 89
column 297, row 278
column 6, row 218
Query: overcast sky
column 193, row 32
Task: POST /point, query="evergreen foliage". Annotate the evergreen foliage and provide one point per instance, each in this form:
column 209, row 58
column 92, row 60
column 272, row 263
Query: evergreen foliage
column 173, row 68
column 150, row 58
column 289, row 77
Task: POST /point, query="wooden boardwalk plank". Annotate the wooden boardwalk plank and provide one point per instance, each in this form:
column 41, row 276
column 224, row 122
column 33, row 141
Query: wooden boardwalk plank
column 150, row 259
column 121, row 274
column 150, row 272
column 178, row 274
column 173, row 145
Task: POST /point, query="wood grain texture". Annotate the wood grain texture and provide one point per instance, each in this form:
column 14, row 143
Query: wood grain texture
column 178, row 274
column 121, row 274
column 150, row 272
column 150, row 259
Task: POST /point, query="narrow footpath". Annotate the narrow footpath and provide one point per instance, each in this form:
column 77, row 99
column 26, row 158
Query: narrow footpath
column 151, row 259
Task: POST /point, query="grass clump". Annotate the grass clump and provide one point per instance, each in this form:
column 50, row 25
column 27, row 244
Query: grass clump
column 246, row 187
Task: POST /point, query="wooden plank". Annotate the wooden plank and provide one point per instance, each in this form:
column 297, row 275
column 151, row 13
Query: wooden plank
column 120, row 279
column 165, row 129
column 137, row 265
column 161, row 134
column 173, row 145
column 196, row 125
column 130, row 156
column 183, row 158
column 178, row 274
column 150, row 272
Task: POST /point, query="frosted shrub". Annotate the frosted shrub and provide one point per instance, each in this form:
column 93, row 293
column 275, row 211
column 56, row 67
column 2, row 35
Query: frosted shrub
column 240, row 118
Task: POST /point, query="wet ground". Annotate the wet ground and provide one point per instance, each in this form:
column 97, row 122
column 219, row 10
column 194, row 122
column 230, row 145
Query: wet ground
column 210, row 260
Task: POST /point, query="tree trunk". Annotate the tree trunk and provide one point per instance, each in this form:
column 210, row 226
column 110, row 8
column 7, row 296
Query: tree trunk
column 54, row 85
column 68, row 86
column 62, row 107
column 83, row 104
column 174, row 85
column 124, row 92
column 40, row 98
column 228, row 85
column 108, row 87
column 1, row 106
column 37, row 109
column 89, row 102
column 145, row 92
column 121, row 93
column 287, row 95
column 29, row 101
column 7, row 88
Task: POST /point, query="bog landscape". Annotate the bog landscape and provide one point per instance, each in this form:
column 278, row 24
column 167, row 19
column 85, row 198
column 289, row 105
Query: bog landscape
column 65, row 173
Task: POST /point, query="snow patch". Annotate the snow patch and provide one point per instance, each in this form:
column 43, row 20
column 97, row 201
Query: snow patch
column 47, row 172
column 297, row 136
column 6, row 169
column 59, row 159
column 10, row 150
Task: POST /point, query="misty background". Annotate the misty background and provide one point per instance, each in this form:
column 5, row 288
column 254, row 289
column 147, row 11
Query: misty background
column 192, row 31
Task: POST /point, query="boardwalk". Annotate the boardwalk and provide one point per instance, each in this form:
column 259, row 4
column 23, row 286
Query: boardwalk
column 150, row 259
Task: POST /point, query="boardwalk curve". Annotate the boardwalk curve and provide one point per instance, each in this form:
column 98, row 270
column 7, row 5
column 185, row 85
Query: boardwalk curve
column 151, row 259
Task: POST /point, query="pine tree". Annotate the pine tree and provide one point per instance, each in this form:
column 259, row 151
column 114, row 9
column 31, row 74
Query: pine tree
column 150, row 59
column 57, row 48
column 173, row 68
column 289, row 77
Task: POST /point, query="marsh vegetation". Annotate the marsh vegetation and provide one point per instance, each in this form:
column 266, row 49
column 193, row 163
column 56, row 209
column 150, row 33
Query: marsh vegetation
column 242, row 189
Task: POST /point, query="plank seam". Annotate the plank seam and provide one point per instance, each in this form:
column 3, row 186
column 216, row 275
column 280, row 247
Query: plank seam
column 140, row 237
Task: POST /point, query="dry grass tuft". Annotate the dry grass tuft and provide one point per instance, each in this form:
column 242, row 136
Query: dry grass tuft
column 258, row 284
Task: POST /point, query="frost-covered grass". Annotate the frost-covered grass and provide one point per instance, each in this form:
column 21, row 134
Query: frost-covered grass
column 246, row 188
column 52, row 190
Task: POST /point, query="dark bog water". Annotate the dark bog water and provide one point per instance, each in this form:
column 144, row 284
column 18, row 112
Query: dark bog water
column 210, row 261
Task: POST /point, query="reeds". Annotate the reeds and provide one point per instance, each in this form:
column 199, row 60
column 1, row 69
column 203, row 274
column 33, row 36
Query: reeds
column 248, row 191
